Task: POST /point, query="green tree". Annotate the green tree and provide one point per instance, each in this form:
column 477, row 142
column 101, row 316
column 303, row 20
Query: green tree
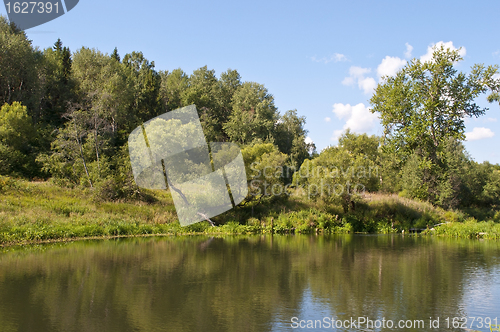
column 173, row 84
column 103, row 89
column 254, row 115
column 360, row 144
column 145, row 83
column 59, row 85
column 290, row 136
column 424, row 105
column 202, row 91
column 265, row 169
column 16, row 141
column 229, row 82
column 115, row 55
column 84, row 144
column 19, row 68
column 338, row 176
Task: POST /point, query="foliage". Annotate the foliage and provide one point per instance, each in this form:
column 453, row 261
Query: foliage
column 470, row 229
column 265, row 169
column 340, row 174
column 17, row 138
column 19, row 68
column 290, row 137
column 426, row 102
column 59, row 85
column 422, row 109
column 254, row 114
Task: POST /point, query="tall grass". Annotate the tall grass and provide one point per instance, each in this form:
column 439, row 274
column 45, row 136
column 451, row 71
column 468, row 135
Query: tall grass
column 43, row 211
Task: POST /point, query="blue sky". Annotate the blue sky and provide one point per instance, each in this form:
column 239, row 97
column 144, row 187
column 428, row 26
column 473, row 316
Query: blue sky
column 322, row 57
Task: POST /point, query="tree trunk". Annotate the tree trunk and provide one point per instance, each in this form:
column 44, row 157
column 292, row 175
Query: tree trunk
column 83, row 157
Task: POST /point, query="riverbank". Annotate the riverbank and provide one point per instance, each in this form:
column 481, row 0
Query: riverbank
column 33, row 212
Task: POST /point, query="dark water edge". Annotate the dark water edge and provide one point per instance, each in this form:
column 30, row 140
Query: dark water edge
column 249, row 283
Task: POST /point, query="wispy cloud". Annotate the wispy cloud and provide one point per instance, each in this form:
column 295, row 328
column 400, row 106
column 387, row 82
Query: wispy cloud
column 409, row 49
column 336, row 57
column 357, row 74
column 327, row 119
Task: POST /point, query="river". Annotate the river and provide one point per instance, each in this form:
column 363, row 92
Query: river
column 252, row 283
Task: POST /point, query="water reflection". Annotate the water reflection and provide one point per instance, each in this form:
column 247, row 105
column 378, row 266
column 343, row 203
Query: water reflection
column 253, row 283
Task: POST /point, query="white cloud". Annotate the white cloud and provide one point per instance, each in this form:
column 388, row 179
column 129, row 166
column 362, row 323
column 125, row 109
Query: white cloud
column 336, row 135
column 367, row 84
column 430, row 49
column 355, row 71
column 336, row 57
column 327, row 119
column 390, row 66
column 409, row 49
column 348, row 80
column 490, row 120
column 312, row 148
column 496, row 53
column 358, row 118
column 479, row 133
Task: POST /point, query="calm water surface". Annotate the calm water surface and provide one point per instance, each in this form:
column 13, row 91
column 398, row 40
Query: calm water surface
column 256, row 283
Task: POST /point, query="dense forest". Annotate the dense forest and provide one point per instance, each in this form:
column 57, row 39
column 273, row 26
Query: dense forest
column 66, row 116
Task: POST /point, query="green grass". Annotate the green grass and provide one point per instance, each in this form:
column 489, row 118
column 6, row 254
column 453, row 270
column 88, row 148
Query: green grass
column 470, row 229
column 32, row 212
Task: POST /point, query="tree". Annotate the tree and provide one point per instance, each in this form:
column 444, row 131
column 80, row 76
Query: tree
column 81, row 150
column 360, row 144
column 19, row 68
column 202, row 91
column 290, row 137
column 59, row 85
column 254, row 114
column 145, row 83
column 339, row 175
column 172, row 86
column 424, row 105
column 103, row 88
column 16, row 138
column 115, row 55
column 229, row 82
column 265, row 169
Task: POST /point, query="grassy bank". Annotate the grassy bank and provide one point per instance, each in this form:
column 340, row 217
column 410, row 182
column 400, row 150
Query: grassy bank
column 43, row 212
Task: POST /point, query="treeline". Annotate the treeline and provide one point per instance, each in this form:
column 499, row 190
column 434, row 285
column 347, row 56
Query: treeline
column 67, row 115
column 420, row 155
column 361, row 164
